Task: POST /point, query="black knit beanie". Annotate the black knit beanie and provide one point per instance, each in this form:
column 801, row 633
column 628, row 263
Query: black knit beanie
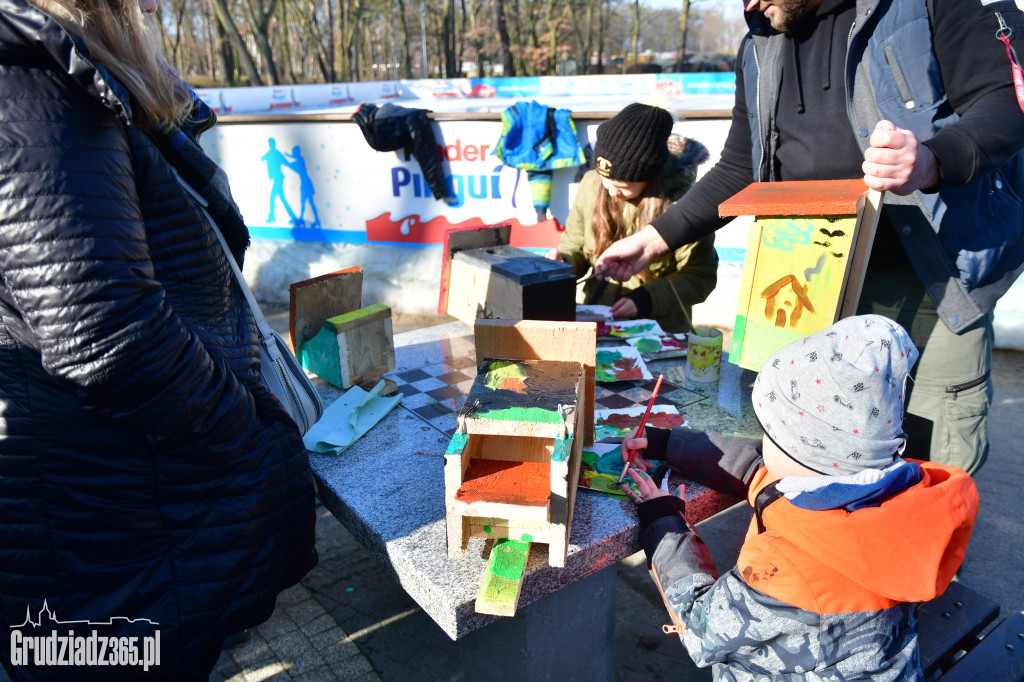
column 631, row 146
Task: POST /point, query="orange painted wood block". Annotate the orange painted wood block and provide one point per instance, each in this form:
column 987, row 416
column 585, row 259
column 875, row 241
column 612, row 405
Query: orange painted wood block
column 803, row 198
column 526, row 484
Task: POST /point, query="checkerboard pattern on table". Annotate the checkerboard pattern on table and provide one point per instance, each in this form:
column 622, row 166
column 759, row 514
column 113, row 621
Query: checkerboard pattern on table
column 437, row 392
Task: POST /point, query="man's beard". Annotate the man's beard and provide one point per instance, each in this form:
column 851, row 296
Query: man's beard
column 788, row 13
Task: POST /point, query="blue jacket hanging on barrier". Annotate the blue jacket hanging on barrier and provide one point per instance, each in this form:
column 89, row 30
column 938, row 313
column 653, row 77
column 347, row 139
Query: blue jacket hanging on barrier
column 538, row 139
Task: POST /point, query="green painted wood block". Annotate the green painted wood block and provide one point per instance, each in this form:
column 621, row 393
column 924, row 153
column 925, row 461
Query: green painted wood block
column 351, row 348
column 503, row 579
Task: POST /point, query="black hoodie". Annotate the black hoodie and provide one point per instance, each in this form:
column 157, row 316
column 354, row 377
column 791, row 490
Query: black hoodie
column 811, row 115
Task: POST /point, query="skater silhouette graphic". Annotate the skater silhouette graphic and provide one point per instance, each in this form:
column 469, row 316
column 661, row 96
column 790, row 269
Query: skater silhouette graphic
column 298, row 164
column 275, row 160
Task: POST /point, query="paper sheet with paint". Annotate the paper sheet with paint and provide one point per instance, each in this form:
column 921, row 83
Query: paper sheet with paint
column 348, row 418
column 602, row 463
column 620, row 363
column 593, row 313
column 624, row 329
column 619, row 422
column 659, row 347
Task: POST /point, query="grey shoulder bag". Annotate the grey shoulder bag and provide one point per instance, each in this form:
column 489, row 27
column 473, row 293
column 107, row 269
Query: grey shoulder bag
column 279, row 370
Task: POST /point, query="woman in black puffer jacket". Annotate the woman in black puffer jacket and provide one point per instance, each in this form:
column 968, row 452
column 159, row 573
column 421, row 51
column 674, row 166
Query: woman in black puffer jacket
column 144, row 472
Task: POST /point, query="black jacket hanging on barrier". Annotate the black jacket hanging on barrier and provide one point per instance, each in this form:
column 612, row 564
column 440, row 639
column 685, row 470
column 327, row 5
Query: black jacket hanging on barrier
column 390, row 127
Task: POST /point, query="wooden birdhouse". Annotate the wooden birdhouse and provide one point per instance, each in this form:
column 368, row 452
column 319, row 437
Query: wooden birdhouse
column 512, row 467
column 334, row 336
column 806, row 254
column 482, row 276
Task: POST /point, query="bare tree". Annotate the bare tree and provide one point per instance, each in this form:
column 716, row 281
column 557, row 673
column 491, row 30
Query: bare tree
column 290, row 41
column 451, row 69
column 259, row 13
column 507, row 65
column 228, row 25
column 636, row 30
column 406, row 51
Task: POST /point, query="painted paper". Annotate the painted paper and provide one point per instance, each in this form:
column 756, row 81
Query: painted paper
column 593, row 313
column 659, row 347
column 600, row 469
column 619, row 422
column 620, row 363
column 624, row 329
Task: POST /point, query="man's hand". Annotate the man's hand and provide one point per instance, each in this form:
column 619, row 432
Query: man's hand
column 624, row 309
column 628, row 256
column 896, row 162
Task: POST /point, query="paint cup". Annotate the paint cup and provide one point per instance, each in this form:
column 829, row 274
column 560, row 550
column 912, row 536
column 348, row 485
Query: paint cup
column 704, row 354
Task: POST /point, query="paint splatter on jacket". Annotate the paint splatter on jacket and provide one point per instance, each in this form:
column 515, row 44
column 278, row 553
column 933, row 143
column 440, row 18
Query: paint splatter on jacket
column 687, row 275
column 818, row 594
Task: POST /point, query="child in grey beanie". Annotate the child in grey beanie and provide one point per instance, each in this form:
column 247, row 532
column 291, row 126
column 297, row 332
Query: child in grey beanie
column 847, row 535
column 833, row 401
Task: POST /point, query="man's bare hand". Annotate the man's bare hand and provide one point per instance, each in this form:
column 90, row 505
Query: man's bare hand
column 897, row 162
column 628, row 256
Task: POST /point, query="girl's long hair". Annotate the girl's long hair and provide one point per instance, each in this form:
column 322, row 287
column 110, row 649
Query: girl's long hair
column 121, row 38
column 606, row 220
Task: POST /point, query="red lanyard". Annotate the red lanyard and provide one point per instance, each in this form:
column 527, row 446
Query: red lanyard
column 1004, row 34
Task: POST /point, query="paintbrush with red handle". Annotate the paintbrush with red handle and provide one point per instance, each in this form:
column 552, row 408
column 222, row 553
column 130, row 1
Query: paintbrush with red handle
column 640, row 431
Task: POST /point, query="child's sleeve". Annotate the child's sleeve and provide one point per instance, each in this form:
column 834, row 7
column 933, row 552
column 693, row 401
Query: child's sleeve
column 718, row 618
column 723, row 463
column 710, row 613
column 572, row 245
column 677, row 557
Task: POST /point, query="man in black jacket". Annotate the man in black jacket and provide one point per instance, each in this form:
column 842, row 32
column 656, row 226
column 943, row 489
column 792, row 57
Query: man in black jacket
column 917, row 97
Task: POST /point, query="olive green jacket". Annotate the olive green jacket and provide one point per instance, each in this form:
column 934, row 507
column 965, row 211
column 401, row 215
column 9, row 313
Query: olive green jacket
column 679, row 279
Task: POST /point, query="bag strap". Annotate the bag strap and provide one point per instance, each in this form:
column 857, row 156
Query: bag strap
column 770, row 493
column 264, row 328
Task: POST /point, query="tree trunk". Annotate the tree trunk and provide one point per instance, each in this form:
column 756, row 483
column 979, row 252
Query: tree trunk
column 602, row 23
column 684, row 19
column 259, row 20
column 406, row 51
column 450, row 68
column 636, row 32
column 211, row 57
column 588, row 43
column 508, row 66
column 286, row 47
column 365, row 52
column 349, row 14
column 552, row 24
column 228, row 25
column 328, row 42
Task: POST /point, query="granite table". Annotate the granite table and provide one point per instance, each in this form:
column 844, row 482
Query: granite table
column 387, row 489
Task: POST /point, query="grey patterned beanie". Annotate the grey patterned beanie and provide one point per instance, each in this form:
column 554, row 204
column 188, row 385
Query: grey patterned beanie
column 833, row 401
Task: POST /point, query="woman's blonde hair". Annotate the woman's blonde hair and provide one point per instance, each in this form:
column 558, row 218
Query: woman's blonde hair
column 606, row 221
column 121, row 38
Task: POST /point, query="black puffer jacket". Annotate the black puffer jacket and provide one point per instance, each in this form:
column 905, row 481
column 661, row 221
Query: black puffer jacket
column 144, row 473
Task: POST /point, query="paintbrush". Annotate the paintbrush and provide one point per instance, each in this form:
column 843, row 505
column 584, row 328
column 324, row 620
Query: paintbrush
column 590, row 274
column 640, row 431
